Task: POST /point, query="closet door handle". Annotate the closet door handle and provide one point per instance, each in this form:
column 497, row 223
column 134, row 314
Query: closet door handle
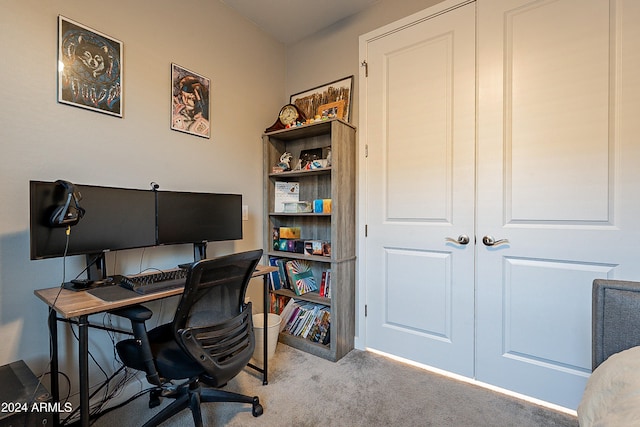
column 462, row 239
column 490, row 241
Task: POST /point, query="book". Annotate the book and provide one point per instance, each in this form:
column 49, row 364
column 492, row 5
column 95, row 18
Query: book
column 278, row 302
column 286, row 313
column 274, row 276
column 325, row 286
column 285, row 192
column 282, row 273
column 323, row 283
column 300, row 276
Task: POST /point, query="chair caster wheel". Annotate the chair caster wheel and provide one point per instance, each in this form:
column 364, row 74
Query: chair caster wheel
column 154, row 398
column 257, row 410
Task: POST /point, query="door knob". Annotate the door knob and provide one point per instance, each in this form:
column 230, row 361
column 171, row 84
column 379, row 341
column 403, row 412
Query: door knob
column 490, row 241
column 462, row 239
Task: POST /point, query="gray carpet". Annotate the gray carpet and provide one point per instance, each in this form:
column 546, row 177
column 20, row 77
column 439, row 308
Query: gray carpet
column 362, row 389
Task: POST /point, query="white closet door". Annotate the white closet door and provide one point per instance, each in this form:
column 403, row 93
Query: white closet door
column 419, row 131
column 558, row 153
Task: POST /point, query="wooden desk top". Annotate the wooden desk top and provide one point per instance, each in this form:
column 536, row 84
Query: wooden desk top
column 71, row 304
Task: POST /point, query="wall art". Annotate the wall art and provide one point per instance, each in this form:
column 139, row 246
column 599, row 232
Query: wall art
column 89, row 68
column 332, row 94
column 189, row 102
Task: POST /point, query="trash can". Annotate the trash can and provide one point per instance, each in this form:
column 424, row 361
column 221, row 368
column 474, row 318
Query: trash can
column 273, row 329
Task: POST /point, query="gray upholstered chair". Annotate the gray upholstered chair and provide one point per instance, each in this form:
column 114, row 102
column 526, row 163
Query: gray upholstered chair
column 615, row 302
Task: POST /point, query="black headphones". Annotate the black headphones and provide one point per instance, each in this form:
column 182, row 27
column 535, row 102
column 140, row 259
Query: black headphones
column 67, row 214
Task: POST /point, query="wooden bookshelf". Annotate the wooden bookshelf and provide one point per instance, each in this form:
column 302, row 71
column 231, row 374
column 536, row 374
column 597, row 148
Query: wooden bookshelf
column 337, row 183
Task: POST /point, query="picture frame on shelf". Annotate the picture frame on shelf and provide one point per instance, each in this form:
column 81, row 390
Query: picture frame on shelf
column 190, row 102
column 309, row 101
column 332, row 109
column 90, row 68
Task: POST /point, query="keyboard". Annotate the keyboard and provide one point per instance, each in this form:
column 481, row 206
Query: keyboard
column 147, row 283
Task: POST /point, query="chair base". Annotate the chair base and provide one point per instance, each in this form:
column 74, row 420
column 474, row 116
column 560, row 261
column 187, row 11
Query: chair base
column 191, row 395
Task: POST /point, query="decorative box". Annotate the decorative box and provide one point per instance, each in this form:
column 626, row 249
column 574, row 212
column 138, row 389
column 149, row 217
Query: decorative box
column 326, row 249
column 313, row 247
column 297, row 207
column 289, row 232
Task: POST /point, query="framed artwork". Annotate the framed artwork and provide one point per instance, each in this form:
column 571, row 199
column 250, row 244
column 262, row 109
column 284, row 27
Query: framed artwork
column 332, row 109
column 334, row 94
column 89, row 68
column 189, row 102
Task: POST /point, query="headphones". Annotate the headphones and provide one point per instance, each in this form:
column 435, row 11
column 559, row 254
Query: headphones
column 68, row 214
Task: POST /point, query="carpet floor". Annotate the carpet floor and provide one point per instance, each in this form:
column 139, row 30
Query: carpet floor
column 362, row 389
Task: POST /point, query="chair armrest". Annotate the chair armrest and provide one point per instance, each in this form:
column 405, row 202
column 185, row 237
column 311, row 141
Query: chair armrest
column 135, row 313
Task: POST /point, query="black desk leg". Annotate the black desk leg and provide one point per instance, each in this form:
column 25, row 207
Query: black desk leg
column 53, row 351
column 265, row 286
column 83, row 358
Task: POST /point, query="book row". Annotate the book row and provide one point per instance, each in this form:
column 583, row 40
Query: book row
column 307, row 320
column 298, row 276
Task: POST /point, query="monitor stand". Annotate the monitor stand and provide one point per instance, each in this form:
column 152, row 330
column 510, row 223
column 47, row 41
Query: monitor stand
column 199, row 251
column 96, row 274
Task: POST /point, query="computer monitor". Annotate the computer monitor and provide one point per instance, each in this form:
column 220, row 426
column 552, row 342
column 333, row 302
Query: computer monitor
column 185, row 217
column 115, row 219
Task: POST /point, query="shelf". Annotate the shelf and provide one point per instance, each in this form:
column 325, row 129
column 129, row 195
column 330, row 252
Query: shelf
column 305, row 345
column 309, row 296
column 295, row 255
column 305, row 131
column 326, row 215
column 300, row 173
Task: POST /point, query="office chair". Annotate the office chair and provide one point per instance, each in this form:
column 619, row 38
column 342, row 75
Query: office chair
column 209, row 341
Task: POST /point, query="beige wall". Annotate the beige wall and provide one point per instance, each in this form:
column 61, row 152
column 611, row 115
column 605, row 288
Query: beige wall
column 333, row 52
column 43, row 140
column 251, row 75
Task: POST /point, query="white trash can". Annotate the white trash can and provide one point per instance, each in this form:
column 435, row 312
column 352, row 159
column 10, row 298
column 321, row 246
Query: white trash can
column 273, row 329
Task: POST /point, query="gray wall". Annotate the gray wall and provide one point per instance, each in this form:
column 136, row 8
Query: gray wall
column 332, row 54
column 252, row 76
column 43, row 140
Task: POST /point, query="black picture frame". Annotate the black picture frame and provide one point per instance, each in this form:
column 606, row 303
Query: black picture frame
column 309, row 101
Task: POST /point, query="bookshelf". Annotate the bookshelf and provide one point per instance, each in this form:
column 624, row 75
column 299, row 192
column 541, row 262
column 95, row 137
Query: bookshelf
column 335, row 182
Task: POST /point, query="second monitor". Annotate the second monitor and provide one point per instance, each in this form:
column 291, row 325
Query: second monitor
column 186, row 217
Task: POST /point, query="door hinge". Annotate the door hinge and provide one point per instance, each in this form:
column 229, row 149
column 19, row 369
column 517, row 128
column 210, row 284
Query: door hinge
column 366, row 150
column 366, row 230
column 365, row 310
column 366, row 68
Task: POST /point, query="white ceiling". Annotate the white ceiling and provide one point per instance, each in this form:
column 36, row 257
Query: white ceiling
column 290, row 21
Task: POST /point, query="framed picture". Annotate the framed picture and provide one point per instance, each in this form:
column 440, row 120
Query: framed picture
column 338, row 91
column 89, row 68
column 332, row 109
column 189, row 102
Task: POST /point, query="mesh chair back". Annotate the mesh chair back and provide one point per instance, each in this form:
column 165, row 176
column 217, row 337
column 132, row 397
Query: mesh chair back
column 212, row 322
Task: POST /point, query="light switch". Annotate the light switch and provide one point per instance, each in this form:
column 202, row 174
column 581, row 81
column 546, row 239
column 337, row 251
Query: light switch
column 245, row 213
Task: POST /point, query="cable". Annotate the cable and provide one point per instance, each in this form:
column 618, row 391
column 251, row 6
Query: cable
column 51, row 311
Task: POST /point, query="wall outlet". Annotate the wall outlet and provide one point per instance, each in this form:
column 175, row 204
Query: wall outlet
column 245, row 213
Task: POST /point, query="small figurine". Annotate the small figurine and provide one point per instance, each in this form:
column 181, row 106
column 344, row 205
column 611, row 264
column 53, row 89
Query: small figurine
column 285, row 161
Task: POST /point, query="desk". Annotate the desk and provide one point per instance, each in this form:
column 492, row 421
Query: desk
column 79, row 305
